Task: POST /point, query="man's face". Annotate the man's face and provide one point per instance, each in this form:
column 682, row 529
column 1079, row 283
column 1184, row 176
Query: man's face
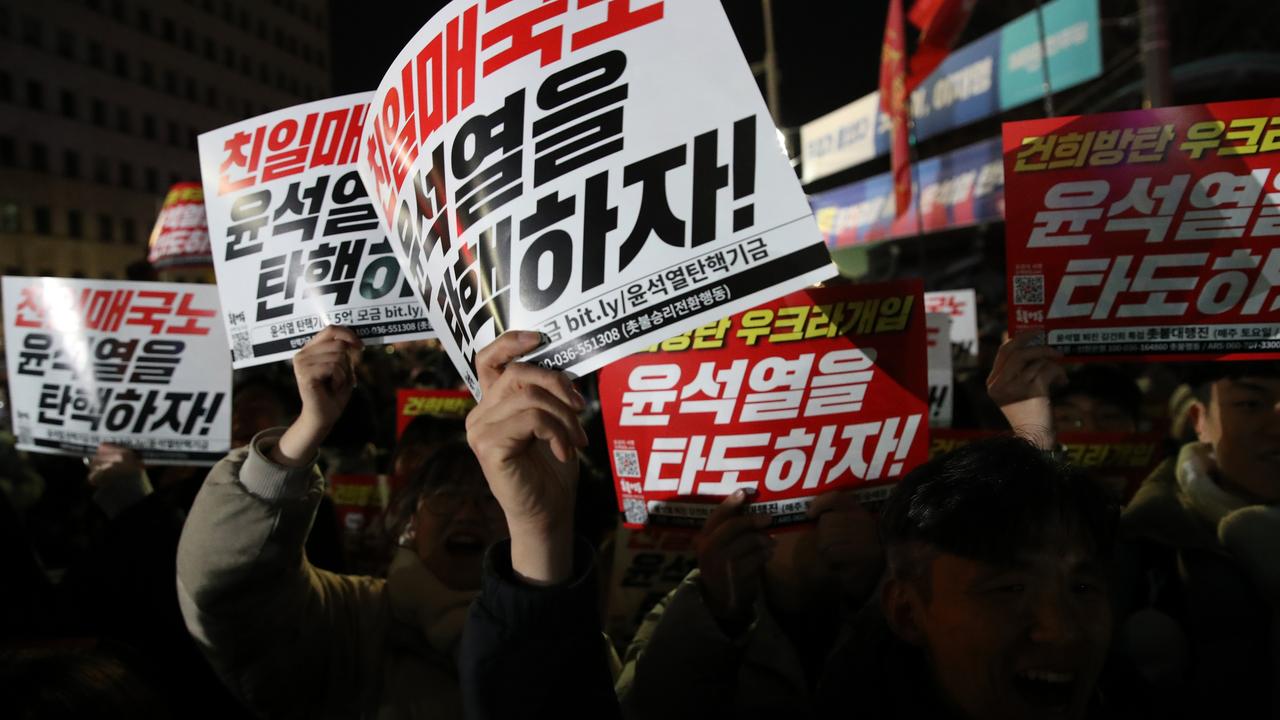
column 1022, row 641
column 1242, row 422
column 1085, row 413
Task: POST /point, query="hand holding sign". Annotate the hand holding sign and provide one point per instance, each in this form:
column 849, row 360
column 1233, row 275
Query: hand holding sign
column 732, row 551
column 325, row 369
column 525, row 432
column 846, row 541
column 1021, row 378
column 111, row 463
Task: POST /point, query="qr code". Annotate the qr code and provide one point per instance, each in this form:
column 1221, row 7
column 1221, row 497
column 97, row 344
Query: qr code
column 634, row 511
column 1028, row 289
column 626, row 463
column 241, row 348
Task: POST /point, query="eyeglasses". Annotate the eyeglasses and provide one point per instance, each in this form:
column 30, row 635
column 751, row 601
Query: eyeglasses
column 447, row 500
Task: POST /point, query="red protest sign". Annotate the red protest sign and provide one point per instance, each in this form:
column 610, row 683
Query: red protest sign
column 818, row 390
column 1120, row 460
column 181, row 232
column 1151, row 233
column 412, row 402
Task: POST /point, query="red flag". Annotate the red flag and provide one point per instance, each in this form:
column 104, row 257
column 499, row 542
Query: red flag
column 893, row 100
column 940, row 22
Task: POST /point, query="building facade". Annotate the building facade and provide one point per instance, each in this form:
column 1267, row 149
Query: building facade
column 101, row 102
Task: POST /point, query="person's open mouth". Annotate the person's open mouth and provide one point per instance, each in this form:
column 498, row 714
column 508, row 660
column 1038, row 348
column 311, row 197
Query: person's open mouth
column 464, row 543
column 1046, row 689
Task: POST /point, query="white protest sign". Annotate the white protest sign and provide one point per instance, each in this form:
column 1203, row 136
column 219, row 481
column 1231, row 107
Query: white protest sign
column 938, row 328
column 962, row 307
column 131, row 363
column 296, row 243
column 605, row 173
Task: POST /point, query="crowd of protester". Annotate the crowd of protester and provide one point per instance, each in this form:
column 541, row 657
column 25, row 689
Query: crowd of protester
column 997, row 581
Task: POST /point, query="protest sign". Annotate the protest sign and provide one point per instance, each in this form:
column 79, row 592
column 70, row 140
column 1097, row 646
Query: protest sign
column 1121, row 460
column 412, row 402
column 962, row 307
column 180, row 236
column 297, row 245
column 130, row 363
column 647, row 564
column 941, row 375
column 819, row 390
column 1150, row 234
column 609, row 178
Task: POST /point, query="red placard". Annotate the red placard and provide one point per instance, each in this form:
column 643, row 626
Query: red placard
column 818, row 390
column 1151, row 234
column 412, row 402
column 181, row 233
column 1121, row 460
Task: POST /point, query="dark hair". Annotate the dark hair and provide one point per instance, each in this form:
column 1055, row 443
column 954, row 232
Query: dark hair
column 70, row 682
column 450, row 459
column 1105, row 383
column 989, row 501
column 1202, row 376
column 424, row 432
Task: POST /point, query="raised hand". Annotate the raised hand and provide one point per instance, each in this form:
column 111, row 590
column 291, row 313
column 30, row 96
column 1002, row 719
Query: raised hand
column 526, row 433
column 325, row 370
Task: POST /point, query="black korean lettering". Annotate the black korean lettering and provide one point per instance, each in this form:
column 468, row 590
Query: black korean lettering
column 307, row 214
column 158, row 361
column 431, row 194
column 37, row 348
column 446, row 300
column 708, row 179
column 182, row 420
column 131, row 410
column 486, row 189
column 381, row 274
column 52, row 405
column 744, row 171
column 537, row 292
column 598, row 220
column 492, row 251
column 359, row 217
column 278, row 277
column 248, row 218
column 655, row 215
column 111, row 359
column 563, row 140
column 335, row 262
column 407, row 233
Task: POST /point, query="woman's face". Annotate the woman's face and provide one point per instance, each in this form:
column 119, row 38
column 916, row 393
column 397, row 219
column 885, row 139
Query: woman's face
column 454, row 524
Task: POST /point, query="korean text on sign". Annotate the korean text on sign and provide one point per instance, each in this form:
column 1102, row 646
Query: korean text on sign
column 297, row 244
column 1152, row 233
column 130, row 363
column 587, row 169
column 819, row 390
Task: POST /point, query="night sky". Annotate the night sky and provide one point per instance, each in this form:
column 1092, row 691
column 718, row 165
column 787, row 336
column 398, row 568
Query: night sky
column 829, row 53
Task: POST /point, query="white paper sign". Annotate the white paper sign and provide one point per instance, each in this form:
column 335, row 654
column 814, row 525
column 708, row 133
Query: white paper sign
column 297, row 245
column 130, row 363
column 938, row 328
column 604, row 173
column 962, row 307
column 840, row 139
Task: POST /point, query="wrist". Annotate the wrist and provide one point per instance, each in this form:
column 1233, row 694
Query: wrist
column 541, row 554
column 1032, row 419
column 300, row 443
